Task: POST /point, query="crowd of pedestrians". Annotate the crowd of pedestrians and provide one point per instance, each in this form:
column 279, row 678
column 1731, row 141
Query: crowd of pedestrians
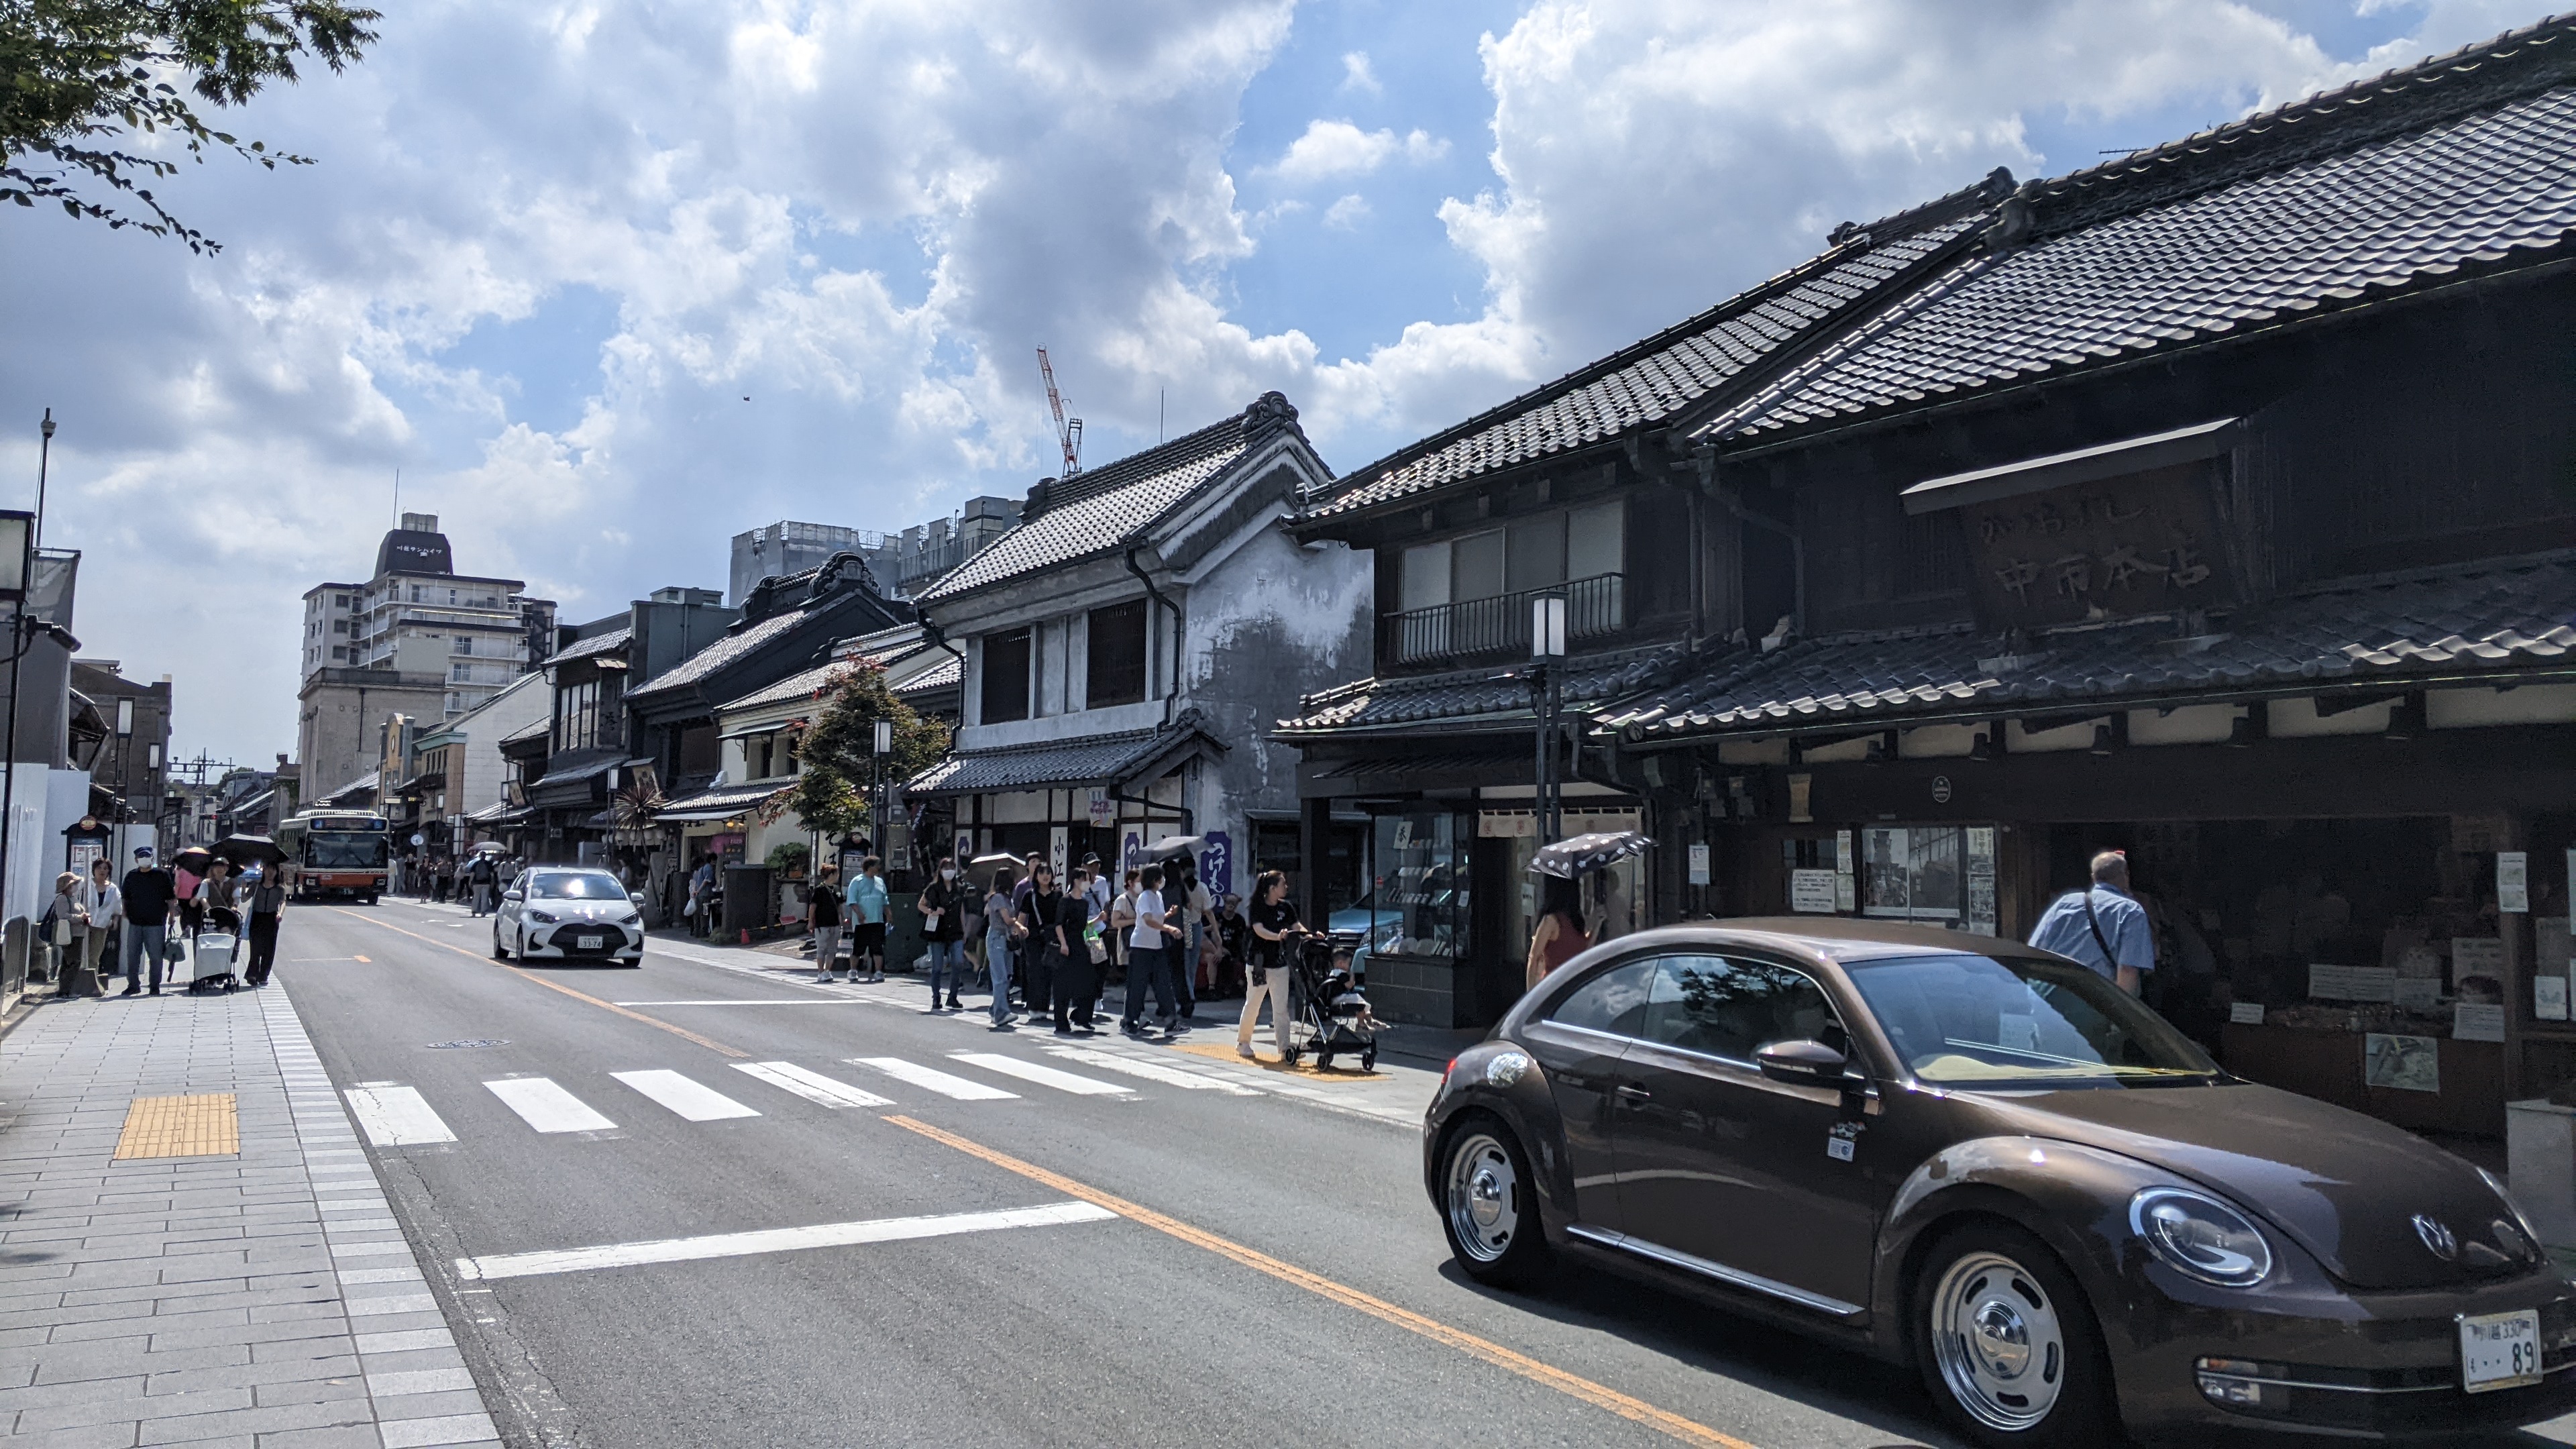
column 1048, row 949
column 137, row 911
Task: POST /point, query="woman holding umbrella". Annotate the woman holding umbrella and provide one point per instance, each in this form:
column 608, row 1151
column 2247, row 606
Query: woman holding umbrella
column 1560, row 936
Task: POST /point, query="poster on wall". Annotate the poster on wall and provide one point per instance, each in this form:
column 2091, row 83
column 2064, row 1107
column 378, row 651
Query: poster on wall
column 2474, row 1021
column 1981, row 880
column 1059, row 849
column 2477, row 967
column 2407, row 1063
column 1131, row 849
column 1699, row 864
column 1811, row 892
column 1102, row 809
column 2513, row 881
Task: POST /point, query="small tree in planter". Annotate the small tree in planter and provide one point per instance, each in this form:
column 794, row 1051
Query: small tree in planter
column 787, row 859
column 838, row 752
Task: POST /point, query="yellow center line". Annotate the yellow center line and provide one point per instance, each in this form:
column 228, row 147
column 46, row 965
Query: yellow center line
column 1598, row 1395
column 523, row 974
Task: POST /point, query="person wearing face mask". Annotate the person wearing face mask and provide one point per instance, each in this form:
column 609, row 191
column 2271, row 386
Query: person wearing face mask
column 943, row 927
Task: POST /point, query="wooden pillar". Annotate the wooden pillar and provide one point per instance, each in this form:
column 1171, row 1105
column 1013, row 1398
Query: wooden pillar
column 1314, row 857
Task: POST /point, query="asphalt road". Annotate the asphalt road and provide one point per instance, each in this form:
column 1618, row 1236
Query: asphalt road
column 1265, row 1268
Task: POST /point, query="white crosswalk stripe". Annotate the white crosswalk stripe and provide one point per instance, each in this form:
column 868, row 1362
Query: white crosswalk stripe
column 934, row 1079
column 688, row 1098
column 1044, row 1076
column 812, row 1086
column 547, row 1107
column 1169, row 1076
column 396, row 1116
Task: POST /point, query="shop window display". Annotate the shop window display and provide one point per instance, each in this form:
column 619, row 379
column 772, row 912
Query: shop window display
column 1422, row 877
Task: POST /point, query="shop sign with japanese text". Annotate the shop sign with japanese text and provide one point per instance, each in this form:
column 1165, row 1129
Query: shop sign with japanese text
column 2144, row 544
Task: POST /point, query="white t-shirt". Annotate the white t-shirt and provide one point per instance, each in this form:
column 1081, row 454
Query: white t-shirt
column 1145, row 937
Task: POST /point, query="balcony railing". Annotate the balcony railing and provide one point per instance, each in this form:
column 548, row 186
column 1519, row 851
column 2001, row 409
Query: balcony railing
column 1500, row 625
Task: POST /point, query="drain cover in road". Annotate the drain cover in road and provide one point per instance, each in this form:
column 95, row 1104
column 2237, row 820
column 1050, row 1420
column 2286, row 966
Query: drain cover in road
column 480, row 1041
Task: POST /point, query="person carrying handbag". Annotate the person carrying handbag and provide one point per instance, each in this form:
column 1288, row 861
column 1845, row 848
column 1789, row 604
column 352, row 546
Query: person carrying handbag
column 105, row 903
column 66, row 922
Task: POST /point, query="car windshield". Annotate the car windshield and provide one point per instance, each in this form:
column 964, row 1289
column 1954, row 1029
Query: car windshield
column 577, row 888
column 1964, row 1020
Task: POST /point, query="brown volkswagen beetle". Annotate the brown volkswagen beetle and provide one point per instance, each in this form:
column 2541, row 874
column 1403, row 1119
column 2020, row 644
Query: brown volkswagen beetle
column 1988, row 1161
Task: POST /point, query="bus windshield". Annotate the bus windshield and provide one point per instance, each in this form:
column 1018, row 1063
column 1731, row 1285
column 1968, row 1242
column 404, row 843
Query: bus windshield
column 336, row 851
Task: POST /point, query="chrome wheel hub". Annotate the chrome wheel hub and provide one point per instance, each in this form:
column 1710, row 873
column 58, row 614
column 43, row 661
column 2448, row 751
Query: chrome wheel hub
column 1484, row 1197
column 1997, row 1339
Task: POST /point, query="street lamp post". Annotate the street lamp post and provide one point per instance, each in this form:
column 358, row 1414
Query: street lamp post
column 1547, row 667
column 876, row 787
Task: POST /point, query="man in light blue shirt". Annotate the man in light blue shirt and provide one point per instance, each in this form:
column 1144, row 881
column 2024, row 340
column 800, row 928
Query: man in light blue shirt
column 2102, row 926
column 866, row 898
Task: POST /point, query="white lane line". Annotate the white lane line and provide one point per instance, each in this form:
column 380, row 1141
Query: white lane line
column 932, row 1078
column 799, row 1001
column 774, row 1240
column 547, row 1107
column 681, row 1095
column 395, row 1116
column 1043, row 1076
column 812, row 1086
column 1151, row 1071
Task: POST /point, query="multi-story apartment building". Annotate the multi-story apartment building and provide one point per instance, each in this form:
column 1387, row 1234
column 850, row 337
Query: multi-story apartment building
column 898, row 563
column 417, row 637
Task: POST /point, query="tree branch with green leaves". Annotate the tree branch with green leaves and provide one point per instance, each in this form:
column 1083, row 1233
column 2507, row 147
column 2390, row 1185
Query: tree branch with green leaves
column 81, row 80
column 838, row 751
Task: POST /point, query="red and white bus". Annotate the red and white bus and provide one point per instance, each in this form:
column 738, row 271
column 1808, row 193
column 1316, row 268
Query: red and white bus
column 336, row 853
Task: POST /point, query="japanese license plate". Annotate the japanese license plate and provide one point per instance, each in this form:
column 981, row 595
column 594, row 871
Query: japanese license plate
column 2500, row 1350
column 593, row 943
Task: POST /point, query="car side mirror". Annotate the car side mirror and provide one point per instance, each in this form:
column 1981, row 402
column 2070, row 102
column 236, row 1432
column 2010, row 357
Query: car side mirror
column 513, row 896
column 1802, row 1063
column 636, row 896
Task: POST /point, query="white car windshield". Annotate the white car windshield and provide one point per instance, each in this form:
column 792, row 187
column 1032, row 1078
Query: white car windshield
column 576, row 888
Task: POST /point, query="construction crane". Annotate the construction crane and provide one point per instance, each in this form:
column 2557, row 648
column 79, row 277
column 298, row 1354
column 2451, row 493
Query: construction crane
column 1068, row 431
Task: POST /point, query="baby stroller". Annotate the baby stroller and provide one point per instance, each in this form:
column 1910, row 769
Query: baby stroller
column 212, row 960
column 1334, row 1016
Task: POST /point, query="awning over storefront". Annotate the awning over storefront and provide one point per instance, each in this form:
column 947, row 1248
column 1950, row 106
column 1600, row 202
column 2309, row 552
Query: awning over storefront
column 722, row 802
column 499, row 812
column 1114, row 761
column 2500, row 625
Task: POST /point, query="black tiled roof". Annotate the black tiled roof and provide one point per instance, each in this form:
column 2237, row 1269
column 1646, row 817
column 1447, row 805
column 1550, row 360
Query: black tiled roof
column 1109, row 507
column 617, row 638
column 2463, row 163
column 1483, row 695
column 803, row 685
column 2511, row 618
column 735, row 644
column 724, row 797
column 1113, row 759
column 1675, row 369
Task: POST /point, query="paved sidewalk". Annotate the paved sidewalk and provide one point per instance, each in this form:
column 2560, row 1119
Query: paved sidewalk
column 262, row 1296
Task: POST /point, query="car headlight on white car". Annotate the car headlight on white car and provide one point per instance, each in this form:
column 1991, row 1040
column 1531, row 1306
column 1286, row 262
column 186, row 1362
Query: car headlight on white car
column 543, row 918
column 632, row 918
column 2201, row 1237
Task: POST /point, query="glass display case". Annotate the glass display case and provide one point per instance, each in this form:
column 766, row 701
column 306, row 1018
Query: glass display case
column 1422, row 877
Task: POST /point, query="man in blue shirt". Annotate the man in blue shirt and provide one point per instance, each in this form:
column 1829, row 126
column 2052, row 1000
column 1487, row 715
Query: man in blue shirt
column 2102, row 926
column 866, row 899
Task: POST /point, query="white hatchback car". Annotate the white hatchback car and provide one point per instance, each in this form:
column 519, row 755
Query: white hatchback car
column 567, row 914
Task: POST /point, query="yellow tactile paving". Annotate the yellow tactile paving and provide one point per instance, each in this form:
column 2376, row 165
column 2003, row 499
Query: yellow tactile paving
column 1268, row 1061
column 207, row 1125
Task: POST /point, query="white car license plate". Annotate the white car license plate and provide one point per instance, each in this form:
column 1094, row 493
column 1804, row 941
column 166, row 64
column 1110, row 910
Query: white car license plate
column 2500, row 1350
column 593, row 943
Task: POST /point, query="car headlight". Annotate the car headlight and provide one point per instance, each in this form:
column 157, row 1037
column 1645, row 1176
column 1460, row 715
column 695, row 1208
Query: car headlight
column 633, row 918
column 2200, row 1237
column 2521, row 1220
column 542, row 918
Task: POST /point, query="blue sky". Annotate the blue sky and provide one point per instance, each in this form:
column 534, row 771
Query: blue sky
column 608, row 282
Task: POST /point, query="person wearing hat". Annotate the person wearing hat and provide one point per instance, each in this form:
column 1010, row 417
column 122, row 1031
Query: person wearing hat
column 148, row 892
